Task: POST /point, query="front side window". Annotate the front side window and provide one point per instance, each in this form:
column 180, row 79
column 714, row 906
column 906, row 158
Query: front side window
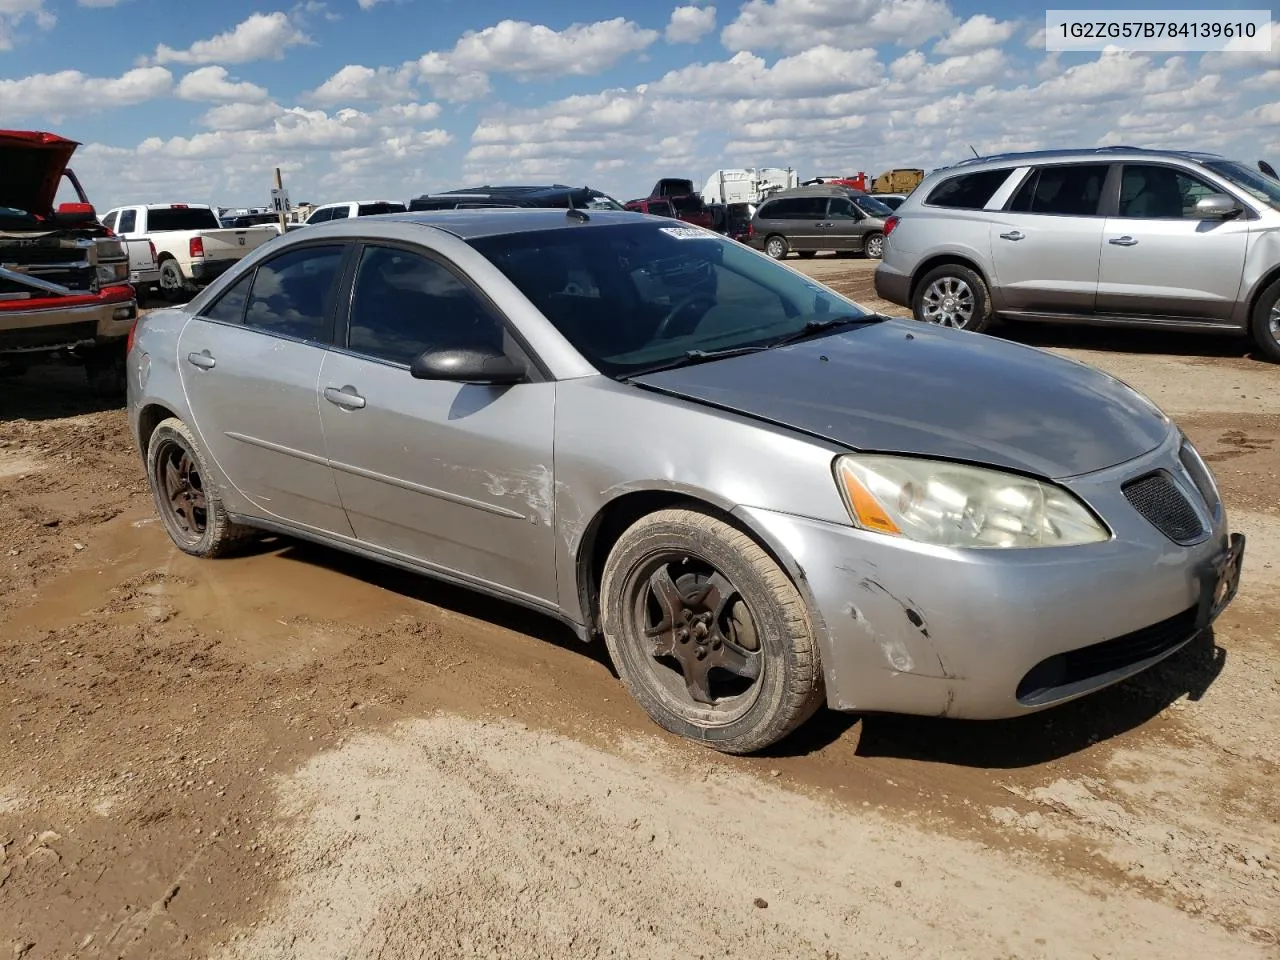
column 969, row 191
column 634, row 296
column 339, row 213
column 109, row 221
column 320, row 216
column 1153, row 192
column 292, row 294
column 1072, row 189
column 404, row 304
column 229, row 307
column 842, row 208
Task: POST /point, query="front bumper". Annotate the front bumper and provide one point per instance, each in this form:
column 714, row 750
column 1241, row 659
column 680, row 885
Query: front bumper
column 891, row 285
column 985, row 634
column 66, row 323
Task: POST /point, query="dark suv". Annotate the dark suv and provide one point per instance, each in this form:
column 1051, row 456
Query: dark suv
column 553, row 195
column 809, row 219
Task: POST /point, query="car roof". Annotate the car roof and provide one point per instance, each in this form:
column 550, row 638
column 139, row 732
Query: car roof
column 817, row 190
column 1113, row 153
column 494, row 221
column 347, row 203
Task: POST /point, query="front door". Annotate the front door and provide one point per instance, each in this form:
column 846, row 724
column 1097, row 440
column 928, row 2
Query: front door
column 1160, row 258
column 249, row 366
column 1045, row 245
column 456, row 476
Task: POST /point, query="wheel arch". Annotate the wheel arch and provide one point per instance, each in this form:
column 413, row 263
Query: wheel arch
column 150, row 417
column 1255, row 296
column 614, row 517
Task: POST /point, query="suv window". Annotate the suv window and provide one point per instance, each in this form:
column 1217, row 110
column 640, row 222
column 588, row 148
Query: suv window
column 405, row 303
column 374, row 209
column 128, row 221
column 1160, row 193
column 969, row 191
column 1072, row 189
column 229, row 308
column 320, row 216
column 291, row 293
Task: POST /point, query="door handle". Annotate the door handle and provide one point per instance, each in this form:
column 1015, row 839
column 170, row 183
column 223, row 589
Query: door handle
column 1123, row 241
column 346, row 397
column 204, row 360
column 1013, row 235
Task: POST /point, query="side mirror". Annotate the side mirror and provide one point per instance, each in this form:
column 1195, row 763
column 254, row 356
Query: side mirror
column 467, row 366
column 1217, row 206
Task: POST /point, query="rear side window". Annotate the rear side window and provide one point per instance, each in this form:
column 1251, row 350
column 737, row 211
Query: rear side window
column 1065, row 190
column 128, row 221
column 292, row 293
column 969, row 191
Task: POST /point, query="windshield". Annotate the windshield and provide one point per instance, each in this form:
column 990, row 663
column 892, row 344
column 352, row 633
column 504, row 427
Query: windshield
column 1253, row 182
column 635, row 296
column 873, row 207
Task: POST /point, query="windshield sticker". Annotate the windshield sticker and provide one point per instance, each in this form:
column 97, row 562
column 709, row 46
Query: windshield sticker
column 685, row 233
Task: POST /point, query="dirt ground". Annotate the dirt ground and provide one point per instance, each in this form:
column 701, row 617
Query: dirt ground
column 298, row 754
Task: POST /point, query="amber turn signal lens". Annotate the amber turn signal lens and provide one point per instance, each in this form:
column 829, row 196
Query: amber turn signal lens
column 865, row 508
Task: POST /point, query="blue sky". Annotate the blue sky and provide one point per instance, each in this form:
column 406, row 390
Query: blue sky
column 390, row 98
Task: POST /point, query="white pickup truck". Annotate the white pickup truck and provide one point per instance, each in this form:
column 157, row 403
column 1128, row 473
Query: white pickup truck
column 191, row 245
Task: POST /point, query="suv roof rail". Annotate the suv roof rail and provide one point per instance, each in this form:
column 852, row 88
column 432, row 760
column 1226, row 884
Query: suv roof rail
column 1066, row 152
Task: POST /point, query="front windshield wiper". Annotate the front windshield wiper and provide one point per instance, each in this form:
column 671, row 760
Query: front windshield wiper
column 691, row 357
column 820, row 324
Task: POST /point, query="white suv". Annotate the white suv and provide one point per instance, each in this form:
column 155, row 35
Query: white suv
column 1110, row 236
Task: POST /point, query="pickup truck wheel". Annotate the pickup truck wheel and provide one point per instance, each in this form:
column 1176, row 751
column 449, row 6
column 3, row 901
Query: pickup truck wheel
column 1265, row 325
column 172, row 283
column 708, row 633
column 189, row 506
column 105, row 370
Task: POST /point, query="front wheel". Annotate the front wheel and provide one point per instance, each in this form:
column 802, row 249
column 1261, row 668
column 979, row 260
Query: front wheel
column 776, row 247
column 708, row 633
column 1264, row 326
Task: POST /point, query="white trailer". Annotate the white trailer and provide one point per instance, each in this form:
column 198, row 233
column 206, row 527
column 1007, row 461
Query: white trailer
column 748, row 184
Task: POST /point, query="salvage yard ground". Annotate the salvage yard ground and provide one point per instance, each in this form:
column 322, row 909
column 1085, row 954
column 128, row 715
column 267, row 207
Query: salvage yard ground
column 296, row 753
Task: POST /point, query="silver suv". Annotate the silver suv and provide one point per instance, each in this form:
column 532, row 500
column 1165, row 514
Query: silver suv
column 1110, row 236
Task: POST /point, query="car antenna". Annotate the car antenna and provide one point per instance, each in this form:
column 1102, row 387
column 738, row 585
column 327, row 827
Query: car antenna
column 975, row 152
column 574, row 213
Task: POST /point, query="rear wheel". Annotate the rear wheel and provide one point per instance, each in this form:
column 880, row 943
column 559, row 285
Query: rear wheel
column 873, row 246
column 1265, row 323
column 189, row 506
column 172, row 283
column 708, row 633
column 952, row 295
column 776, row 247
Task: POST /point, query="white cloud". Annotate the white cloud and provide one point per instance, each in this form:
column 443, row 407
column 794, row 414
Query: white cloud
column 368, row 4
column 355, row 83
column 794, row 25
column 811, row 73
column 241, row 116
column 528, row 50
column 68, row 92
column 99, row 3
column 690, row 24
column 1222, row 61
column 14, row 12
column 263, row 36
column 213, row 83
column 979, row 32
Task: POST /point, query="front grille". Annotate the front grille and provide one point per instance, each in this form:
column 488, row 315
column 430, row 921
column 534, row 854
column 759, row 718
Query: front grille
column 1165, row 507
column 1065, row 673
column 45, row 250
column 38, row 338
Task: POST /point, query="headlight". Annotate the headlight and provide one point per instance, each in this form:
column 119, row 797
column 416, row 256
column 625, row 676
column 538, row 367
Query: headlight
column 112, row 273
column 953, row 505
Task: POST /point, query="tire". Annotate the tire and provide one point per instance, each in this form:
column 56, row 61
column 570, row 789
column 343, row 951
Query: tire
column 173, row 285
column 756, row 605
column 873, row 246
column 928, row 303
column 1264, row 326
column 777, row 247
column 105, row 371
column 808, row 254
column 203, row 532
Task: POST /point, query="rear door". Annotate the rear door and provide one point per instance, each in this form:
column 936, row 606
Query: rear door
column 1160, row 258
column 456, row 476
column 841, row 226
column 250, row 364
column 1045, row 244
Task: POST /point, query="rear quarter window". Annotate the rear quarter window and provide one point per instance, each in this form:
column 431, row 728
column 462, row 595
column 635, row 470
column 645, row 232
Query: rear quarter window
column 968, row 191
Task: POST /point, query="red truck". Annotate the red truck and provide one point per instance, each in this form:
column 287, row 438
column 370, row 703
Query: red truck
column 64, row 290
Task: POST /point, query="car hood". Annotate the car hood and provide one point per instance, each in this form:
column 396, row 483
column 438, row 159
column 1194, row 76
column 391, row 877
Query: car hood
column 33, row 163
column 905, row 387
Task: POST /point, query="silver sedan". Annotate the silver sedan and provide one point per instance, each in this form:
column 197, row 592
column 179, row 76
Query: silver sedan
column 762, row 497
